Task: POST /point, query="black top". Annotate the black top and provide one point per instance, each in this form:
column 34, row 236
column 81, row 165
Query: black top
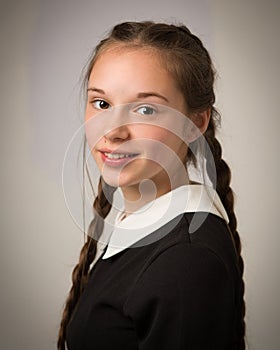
column 180, row 292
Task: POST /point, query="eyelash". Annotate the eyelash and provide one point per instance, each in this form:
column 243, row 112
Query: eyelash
column 94, row 102
column 151, row 108
column 108, row 106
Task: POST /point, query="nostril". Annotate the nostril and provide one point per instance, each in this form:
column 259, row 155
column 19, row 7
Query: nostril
column 118, row 134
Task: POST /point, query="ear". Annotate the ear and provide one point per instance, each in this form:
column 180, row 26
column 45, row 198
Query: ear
column 200, row 121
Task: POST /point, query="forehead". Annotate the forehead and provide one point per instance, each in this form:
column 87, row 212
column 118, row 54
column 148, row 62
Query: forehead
column 132, row 70
column 123, row 59
column 124, row 54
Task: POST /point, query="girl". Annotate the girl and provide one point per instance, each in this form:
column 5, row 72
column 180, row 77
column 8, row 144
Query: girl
column 170, row 275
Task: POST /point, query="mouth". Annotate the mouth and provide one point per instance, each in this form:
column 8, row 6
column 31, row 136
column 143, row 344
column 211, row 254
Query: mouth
column 117, row 159
column 119, row 155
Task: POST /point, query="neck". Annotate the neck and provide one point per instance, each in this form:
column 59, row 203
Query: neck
column 136, row 196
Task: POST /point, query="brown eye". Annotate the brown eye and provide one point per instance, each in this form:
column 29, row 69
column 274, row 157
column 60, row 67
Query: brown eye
column 101, row 104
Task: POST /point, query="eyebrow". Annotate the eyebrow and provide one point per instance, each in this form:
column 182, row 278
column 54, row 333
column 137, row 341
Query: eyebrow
column 96, row 90
column 139, row 95
column 151, row 94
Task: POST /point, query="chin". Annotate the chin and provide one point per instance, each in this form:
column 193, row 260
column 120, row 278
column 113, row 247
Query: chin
column 131, row 175
column 122, row 179
column 118, row 182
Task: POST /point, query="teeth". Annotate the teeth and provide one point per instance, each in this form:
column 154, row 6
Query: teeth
column 117, row 155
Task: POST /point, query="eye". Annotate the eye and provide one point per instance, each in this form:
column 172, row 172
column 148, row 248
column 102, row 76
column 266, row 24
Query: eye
column 101, row 104
column 146, row 110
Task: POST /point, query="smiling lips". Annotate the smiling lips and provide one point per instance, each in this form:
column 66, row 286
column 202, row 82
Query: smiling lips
column 116, row 158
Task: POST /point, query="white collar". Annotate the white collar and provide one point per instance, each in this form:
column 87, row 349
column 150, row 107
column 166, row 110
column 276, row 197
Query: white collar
column 154, row 215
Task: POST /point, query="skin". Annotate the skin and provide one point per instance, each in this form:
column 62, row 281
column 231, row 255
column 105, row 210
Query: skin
column 110, row 85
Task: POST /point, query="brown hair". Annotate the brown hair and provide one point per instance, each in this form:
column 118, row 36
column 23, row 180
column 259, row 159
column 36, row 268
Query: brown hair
column 186, row 58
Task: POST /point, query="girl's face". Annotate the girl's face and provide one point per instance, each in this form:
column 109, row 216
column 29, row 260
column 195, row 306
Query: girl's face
column 124, row 77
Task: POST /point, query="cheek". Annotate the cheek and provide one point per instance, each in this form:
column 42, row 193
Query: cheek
column 150, row 132
column 97, row 159
column 161, row 146
column 88, row 113
column 160, row 135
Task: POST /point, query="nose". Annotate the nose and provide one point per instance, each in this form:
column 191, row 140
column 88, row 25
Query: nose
column 118, row 134
column 117, row 125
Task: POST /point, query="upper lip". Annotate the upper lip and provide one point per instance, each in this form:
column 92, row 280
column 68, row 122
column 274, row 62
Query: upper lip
column 117, row 151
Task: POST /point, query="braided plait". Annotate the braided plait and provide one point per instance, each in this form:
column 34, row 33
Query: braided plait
column 102, row 205
column 226, row 194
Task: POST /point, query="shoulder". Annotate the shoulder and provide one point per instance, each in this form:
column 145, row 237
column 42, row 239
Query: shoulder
column 181, row 260
column 192, row 237
column 186, row 285
column 183, row 276
column 182, row 257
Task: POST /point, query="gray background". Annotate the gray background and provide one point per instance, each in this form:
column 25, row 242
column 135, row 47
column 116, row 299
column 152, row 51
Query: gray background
column 44, row 45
